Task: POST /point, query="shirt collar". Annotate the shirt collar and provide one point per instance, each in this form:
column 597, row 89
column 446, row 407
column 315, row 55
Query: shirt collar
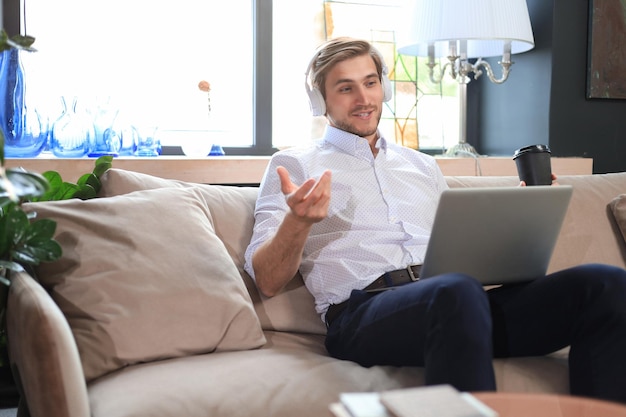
column 351, row 143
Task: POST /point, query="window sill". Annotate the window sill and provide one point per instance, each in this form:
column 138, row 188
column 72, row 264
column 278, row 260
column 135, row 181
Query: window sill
column 249, row 169
column 209, row 170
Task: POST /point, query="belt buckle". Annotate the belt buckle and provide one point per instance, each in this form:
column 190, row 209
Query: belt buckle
column 409, row 269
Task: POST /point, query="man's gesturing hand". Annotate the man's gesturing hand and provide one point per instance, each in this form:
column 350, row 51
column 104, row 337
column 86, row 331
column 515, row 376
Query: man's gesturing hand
column 309, row 201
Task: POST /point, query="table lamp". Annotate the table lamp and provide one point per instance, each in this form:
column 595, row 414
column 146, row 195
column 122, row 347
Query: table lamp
column 461, row 30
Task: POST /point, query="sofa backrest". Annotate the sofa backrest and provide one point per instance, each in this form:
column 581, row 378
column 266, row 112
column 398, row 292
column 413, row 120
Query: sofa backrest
column 589, row 234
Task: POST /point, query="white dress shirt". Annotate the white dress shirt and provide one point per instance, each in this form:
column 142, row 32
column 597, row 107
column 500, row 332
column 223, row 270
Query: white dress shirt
column 380, row 214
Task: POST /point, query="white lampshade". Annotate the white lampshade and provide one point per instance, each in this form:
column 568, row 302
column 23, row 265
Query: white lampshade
column 485, row 24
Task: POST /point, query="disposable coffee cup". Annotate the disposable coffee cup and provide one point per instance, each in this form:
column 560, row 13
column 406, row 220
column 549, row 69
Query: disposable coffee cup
column 533, row 165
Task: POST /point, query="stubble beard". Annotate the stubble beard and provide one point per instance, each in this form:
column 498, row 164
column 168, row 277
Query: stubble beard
column 351, row 128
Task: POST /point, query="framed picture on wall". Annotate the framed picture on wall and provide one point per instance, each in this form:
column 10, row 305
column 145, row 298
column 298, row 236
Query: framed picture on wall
column 606, row 49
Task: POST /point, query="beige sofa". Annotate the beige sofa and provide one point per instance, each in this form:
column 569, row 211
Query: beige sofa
column 149, row 313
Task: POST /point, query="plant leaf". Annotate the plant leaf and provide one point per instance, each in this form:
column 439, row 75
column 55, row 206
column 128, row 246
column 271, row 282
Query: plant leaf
column 63, row 191
column 102, row 165
column 16, row 224
column 5, row 281
column 67, row 191
column 18, row 41
column 7, row 191
column 23, row 258
column 54, row 178
column 1, row 147
column 85, row 192
column 13, row 266
column 38, row 250
column 41, row 229
column 37, row 244
column 91, row 180
column 22, row 42
column 4, row 202
column 6, row 238
column 54, row 181
column 27, row 184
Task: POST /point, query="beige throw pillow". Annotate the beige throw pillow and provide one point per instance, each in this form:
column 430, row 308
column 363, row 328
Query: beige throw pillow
column 618, row 207
column 232, row 211
column 144, row 277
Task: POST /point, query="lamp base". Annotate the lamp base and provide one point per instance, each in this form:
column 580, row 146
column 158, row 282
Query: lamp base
column 462, row 149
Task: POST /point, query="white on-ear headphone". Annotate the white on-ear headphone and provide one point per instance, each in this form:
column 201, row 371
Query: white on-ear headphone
column 316, row 99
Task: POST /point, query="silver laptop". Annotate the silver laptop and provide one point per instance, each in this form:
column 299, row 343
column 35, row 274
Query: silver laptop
column 497, row 235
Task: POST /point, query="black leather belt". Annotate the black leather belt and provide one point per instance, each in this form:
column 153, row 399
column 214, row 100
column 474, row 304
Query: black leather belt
column 387, row 280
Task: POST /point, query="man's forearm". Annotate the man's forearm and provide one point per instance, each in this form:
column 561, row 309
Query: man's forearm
column 276, row 261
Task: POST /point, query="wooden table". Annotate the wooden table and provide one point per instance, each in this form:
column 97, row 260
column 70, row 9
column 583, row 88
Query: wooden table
column 546, row 405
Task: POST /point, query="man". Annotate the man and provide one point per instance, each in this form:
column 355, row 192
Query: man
column 355, row 206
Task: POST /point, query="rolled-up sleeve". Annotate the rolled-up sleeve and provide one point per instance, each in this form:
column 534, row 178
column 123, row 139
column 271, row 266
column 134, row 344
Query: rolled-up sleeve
column 271, row 206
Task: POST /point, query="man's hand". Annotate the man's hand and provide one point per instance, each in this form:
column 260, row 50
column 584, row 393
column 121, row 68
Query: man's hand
column 277, row 260
column 554, row 178
column 308, row 202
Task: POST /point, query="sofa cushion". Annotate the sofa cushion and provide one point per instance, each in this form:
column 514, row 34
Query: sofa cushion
column 232, row 211
column 144, row 277
column 291, row 376
column 618, row 207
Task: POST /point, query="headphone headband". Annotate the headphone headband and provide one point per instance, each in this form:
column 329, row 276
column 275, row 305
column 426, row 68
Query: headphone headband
column 316, row 99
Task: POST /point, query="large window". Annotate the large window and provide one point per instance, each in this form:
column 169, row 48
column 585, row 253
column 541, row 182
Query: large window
column 421, row 114
column 143, row 61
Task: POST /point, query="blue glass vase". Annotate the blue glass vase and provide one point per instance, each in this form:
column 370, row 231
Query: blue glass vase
column 148, row 143
column 126, row 135
column 129, row 137
column 72, row 133
column 106, row 139
column 25, row 132
column 216, row 150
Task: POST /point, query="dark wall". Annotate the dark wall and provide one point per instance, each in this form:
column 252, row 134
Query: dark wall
column 544, row 99
column 580, row 127
column 10, row 16
column 508, row 116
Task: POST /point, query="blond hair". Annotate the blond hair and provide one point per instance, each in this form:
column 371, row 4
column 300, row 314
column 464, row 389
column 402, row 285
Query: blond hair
column 337, row 50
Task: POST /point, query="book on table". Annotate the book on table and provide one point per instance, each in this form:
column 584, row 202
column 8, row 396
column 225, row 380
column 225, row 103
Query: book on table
column 431, row 401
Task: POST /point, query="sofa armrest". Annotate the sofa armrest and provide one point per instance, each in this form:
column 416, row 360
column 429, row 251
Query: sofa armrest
column 43, row 354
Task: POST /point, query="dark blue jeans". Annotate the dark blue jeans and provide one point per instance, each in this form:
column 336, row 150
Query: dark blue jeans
column 453, row 328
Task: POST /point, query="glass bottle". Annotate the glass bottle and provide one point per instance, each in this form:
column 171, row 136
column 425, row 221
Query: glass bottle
column 148, row 142
column 72, row 132
column 217, row 150
column 127, row 133
column 25, row 131
column 106, row 140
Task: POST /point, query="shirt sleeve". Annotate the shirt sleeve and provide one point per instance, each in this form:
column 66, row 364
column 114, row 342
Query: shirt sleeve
column 441, row 180
column 271, row 206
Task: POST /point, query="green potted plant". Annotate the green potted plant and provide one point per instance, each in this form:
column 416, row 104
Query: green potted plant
column 26, row 241
column 21, row 243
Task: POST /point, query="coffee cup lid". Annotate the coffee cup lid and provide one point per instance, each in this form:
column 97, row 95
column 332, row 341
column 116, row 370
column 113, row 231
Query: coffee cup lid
column 531, row 148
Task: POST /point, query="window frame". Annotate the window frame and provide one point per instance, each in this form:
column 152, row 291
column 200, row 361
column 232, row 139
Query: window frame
column 262, row 11
column 10, row 16
column 262, row 73
column 262, row 94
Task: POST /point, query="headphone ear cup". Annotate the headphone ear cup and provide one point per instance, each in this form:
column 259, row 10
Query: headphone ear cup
column 316, row 102
column 387, row 90
column 384, row 79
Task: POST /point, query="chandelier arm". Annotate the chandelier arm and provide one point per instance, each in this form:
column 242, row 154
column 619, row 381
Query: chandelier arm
column 465, row 68
column 437, row 79
column 506, row 69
